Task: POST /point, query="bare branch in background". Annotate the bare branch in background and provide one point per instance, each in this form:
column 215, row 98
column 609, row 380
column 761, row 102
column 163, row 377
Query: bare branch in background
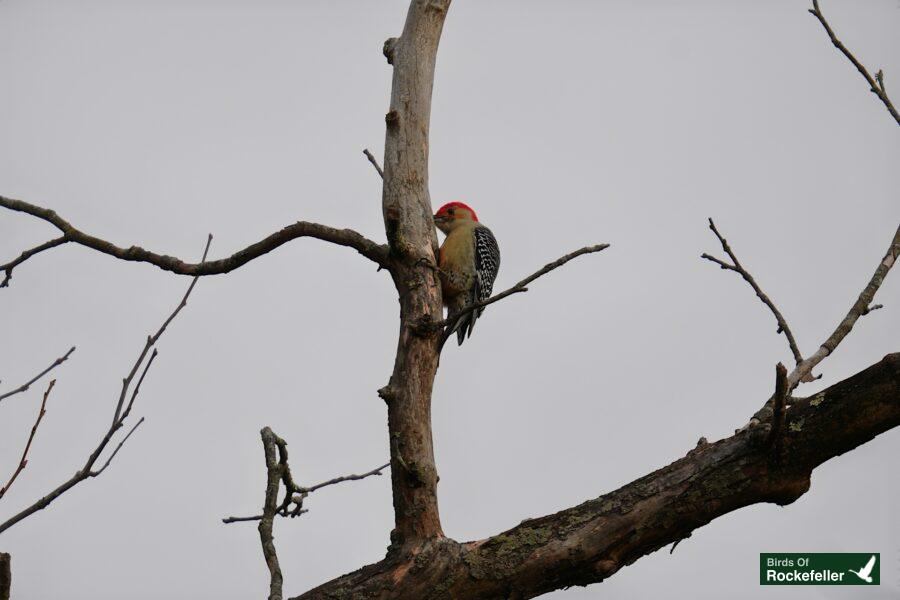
column 53, row 365
column 277, row 469
column 23, row 462
column 876, row 84
column 342, row 237
column 375, row 471
column 296, row 494
column 861, row 307
column 374, row 162
column 736, row 266
column 8, row 267
column 119, row 416
column 278, row 472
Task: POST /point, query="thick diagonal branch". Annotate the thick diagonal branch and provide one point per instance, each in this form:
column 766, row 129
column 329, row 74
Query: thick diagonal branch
column 342, row 237
column 876, row 83
column 736, row 266
column 592, row 541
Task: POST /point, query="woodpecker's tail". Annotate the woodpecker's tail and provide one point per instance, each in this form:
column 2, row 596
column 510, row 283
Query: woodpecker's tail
column 462, row 325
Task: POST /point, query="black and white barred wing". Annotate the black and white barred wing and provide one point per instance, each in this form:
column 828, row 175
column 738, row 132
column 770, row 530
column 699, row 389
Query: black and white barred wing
column 487, row 264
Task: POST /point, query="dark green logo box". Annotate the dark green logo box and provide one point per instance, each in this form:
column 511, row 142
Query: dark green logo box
column 823, row 568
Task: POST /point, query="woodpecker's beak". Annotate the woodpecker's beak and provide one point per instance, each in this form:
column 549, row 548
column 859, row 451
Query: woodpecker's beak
column 438, row 219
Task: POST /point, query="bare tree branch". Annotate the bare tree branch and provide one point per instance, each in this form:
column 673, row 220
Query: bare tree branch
column 23, row 462
column 859, row 308
column 118, row 447
column 374, row 162
column 284, row 509
column 740, row 270
column 590, row 542
column 86, row 471
column 342, row 237
column 522, row 285
column 275, row 468
column 278, row 472
column 8, row 267
column 52, row 366
column 876, row 84
column 375, row 471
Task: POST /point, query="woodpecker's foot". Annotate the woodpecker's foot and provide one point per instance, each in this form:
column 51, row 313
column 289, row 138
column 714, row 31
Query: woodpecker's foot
column 427, row 263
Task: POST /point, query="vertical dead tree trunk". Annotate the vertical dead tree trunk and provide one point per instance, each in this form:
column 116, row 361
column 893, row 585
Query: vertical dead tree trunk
column 406, row 204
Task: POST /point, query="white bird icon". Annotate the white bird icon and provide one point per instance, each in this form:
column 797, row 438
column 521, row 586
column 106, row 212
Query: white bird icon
column 865, row 572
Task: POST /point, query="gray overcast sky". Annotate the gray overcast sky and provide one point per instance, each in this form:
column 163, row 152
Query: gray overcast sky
column 562, row 123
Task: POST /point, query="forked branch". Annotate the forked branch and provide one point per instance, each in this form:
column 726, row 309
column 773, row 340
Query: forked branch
column 292, row 505
column 342, row 237
column 591, row 541
column 862, row 306
column 736, row 266
column 23, row 462
column 278, row 473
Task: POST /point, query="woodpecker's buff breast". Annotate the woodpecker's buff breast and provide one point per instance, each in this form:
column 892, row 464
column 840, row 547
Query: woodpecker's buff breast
column 469, row 261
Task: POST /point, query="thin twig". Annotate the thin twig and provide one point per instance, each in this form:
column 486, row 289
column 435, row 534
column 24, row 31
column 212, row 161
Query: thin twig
column 522, row 285
column 374, row 162
column 87, row 470
column 137, row 388
column 116, row 451
column 376, row 471
column 8, row 267
column 293, row 489
column 738, row 268
column 872, row 308
column 375, row 252
column 859, row 308
column 23, row 462
column 876, row 84
column 53, row 365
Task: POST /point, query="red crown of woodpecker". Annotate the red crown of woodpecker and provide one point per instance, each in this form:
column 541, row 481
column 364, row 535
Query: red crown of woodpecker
column 449, row 205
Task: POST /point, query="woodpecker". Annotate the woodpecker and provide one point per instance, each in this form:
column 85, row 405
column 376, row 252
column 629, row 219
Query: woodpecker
column 468, row 264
